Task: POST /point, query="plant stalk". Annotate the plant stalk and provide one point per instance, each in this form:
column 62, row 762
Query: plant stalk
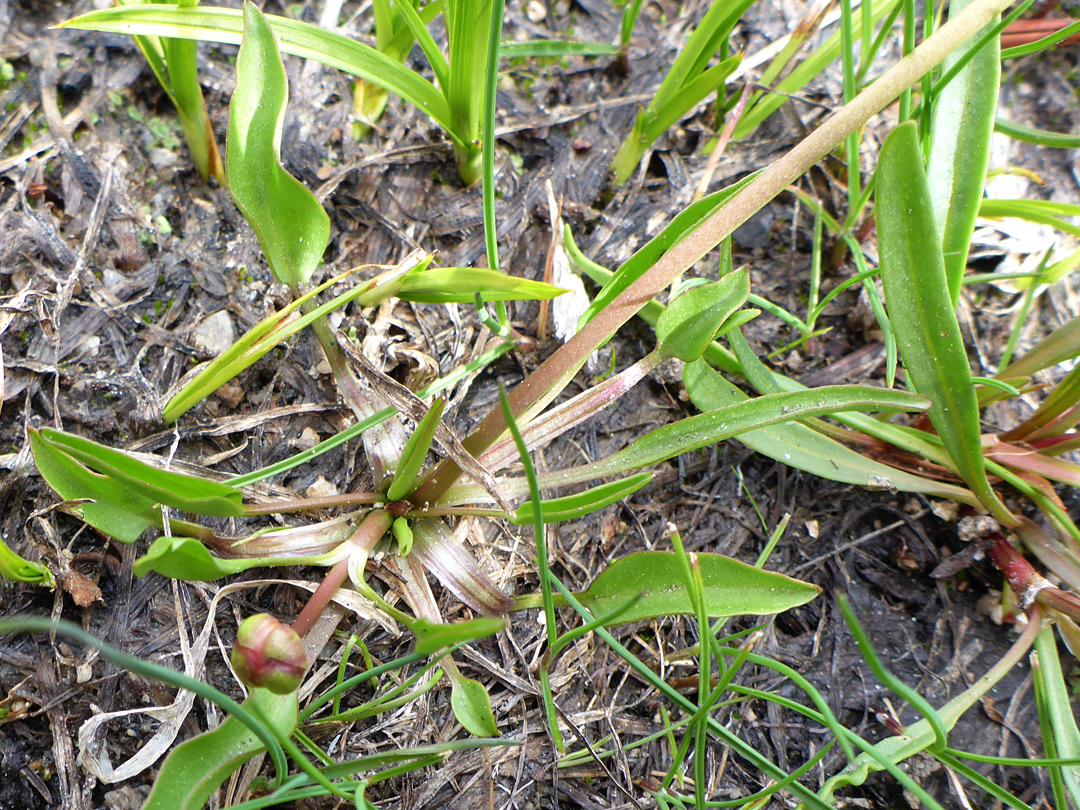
column 367, row 534
column 540, row 387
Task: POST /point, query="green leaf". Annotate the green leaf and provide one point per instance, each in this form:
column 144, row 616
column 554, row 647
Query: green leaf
column 921, row 310
column 731, row 588
column 196, row 768
column 800, row 446
column 17, row 569
column 403, row 534
column 280, row 326
column 446, row 285
column 114, row 509
column 292, row 226
column 431, row 637
column 705, row 429
column 1042, row 137
column 554, row 47
column 176, row 490
column 299, row 38
column 638, row 264
column 583, row 503
column 416, row 450
column 960, row 130
column 689, row 323
column 1059, row 346
column 187, row 558
column 1059, row 710
column 472, row 706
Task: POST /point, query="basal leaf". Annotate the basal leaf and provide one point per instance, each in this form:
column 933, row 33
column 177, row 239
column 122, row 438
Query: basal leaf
column 196, row 768
column 416, row 450
column 1059, row 709
column 800, row 446
column 704, row 429
column 583, row 503
column 185, row 492
column 688, row 324
column 960, row 130
column 445, row 285
column 292, row 227
column 921, row 310
column 187, row 558
column 431, row 637
column 113, row 507
column 17, row 569
column 731, row 588
column 281, row 325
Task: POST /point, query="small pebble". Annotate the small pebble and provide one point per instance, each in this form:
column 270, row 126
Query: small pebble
column 215, row 334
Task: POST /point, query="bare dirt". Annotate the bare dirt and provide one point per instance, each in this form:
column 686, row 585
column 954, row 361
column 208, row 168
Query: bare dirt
column 112, row 255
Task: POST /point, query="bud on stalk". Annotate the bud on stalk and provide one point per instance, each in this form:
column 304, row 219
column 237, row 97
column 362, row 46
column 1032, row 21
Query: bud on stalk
column 269, row 654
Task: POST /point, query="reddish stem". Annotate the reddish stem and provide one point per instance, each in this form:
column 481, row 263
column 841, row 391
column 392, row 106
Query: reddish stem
column 1030, row 586
column 367, row 534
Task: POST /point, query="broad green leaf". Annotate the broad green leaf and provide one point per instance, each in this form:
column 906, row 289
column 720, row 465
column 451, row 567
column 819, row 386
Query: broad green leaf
column 689, row 323
column 960, row 130
column 112, row 508
column 431, row 637
column 196, row 768
column 731, row 588
column 583, row 503
column 638, row 264
column 921, row 310
column 295, row 37
column 800, row 446
column 185, row 492
column 17, row 569
column 705, row 429
column 416, row 450
column 472, row 706
column 280, row 326
column 446, row 285
column 292, row 227
column 187, row 558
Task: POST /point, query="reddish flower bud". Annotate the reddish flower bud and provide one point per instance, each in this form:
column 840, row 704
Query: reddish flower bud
column 269, row 654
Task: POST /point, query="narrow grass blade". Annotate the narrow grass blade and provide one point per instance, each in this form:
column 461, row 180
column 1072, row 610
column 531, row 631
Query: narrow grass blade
column 292, row 227
column 960, row 131
column 1059, row 709
column 920, row 308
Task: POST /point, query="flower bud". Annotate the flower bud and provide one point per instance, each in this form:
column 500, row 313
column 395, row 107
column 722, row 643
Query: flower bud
column 269, row 654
